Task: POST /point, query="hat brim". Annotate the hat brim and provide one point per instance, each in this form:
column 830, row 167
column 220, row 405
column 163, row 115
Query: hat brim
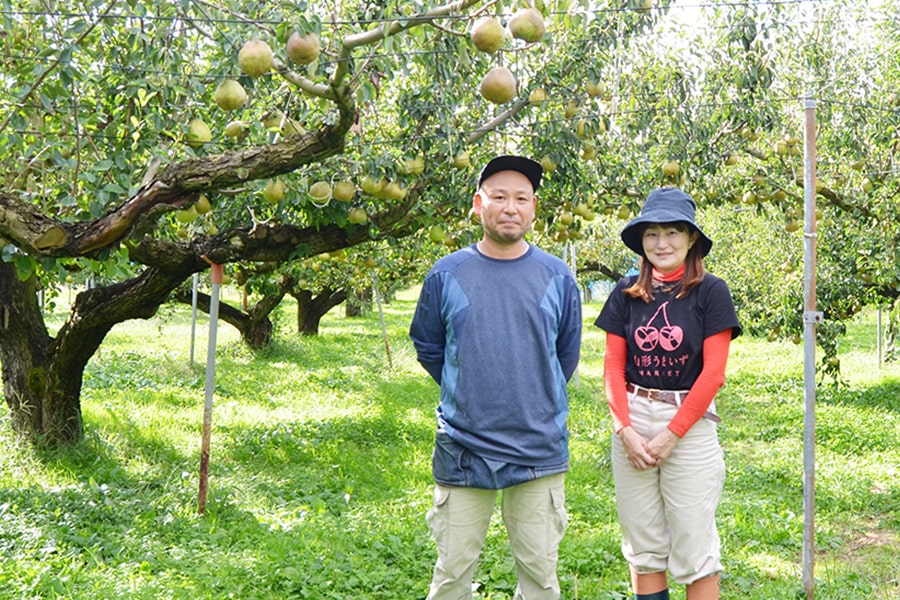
column 632, row 235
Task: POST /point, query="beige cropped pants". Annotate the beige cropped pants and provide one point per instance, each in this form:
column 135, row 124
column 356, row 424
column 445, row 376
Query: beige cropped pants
column 668, row 513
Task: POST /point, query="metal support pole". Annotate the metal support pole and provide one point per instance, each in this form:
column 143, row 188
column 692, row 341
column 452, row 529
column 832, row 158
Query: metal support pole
column 810, row 318
column 216, row 275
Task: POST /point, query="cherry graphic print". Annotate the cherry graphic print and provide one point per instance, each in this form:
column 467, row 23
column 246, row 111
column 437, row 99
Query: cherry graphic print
column 668, row 336
column 646, row 338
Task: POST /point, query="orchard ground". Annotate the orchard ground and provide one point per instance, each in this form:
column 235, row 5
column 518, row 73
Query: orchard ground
column 320, row 472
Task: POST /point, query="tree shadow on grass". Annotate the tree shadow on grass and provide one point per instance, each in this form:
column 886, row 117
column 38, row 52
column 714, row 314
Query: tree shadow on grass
column 882, row 397
column 299, row 509
column 326, row 460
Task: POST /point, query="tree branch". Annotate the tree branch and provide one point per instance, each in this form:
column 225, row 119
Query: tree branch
column 366, row 38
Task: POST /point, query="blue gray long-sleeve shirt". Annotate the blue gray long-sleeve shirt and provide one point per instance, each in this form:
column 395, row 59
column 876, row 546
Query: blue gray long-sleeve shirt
column 502, row 338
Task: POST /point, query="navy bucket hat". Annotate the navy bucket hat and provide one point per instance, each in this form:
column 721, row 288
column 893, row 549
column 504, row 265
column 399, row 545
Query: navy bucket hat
column 664, row 205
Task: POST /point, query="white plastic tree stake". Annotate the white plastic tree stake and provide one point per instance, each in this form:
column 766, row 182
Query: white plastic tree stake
column 216, row 275
column 194, row 285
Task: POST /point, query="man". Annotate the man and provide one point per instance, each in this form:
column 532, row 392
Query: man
column 498, row 327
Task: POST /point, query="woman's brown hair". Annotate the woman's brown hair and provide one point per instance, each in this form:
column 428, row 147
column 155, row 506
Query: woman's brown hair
column 693, row 269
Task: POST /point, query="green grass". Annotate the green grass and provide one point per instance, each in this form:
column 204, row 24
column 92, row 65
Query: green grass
column 320, row 474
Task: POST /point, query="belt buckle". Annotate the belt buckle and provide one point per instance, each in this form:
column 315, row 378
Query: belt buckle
column 653, row 394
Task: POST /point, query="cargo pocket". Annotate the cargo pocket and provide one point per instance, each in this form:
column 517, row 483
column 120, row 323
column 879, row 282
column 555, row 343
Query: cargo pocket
column 438, row 519
column 560, row 522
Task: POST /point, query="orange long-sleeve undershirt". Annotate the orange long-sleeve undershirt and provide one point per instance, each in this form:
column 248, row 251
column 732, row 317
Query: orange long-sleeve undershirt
column 711, row 378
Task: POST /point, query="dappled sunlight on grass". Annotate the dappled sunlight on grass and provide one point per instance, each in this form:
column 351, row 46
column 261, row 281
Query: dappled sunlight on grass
column 319, row 475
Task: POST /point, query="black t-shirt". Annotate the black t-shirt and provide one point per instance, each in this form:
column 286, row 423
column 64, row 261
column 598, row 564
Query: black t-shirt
column 665, row 337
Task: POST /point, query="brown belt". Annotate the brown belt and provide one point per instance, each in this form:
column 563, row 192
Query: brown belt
column 669, row 397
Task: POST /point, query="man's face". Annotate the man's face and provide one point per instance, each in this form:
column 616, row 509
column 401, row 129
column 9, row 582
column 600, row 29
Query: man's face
column 506, row 204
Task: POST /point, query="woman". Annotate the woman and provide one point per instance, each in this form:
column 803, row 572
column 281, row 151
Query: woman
column 668, row 330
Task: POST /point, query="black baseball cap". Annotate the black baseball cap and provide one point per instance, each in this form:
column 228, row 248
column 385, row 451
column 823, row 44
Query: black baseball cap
column 527, row 167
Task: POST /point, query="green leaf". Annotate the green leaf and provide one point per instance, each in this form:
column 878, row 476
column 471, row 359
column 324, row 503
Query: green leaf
column 25, row 266
column 114, row 188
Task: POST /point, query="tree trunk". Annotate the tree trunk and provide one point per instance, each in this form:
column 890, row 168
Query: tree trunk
column 358, row 302
column 310, row 310
column 42, row 376
column 352, row 308
column 25, row 356
column 256, row 329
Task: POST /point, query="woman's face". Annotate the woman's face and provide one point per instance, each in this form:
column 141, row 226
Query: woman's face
column 666, row 245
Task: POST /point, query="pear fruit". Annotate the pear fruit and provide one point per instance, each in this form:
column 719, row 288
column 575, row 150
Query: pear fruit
column 527, row 24
column 372, row 185
column 582, row 129
column 437, row 234
column 394, row 191
column 487, row 34
column 588, row 151
column 198, row 133
column 595, row 89
column 255, row 58
column 671, row 168
column 235, row 129
column 344, row 190
column 230, row 95
column 412, row 165
column 303, row 49
column 271, row 121
column 320, row 191
column 357, row 216
column 537, row 96
column 461, row 160
column 584, row 211
column 274, row 191
column 498, row 86
column 185, row 215
column 202, row 205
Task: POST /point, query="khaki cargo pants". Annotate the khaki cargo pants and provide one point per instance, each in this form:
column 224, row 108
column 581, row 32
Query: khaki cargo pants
column 535, row 517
